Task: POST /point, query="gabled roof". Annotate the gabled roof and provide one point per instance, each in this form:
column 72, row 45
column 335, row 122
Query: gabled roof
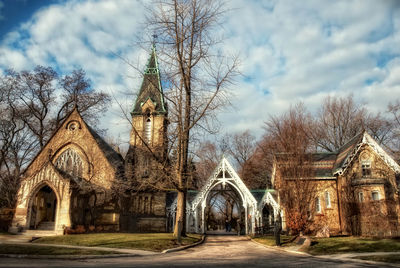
column 323, row 164
column 328, row 165
column 348, row 152
column 151, row 87
column 114, row 158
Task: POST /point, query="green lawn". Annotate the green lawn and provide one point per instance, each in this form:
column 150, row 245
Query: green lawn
column 151, row 241
column 392, row 258
column 47, row 250
column 269, row 240
column 337, row 245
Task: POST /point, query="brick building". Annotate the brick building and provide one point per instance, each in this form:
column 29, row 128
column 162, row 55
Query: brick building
column 353, row 191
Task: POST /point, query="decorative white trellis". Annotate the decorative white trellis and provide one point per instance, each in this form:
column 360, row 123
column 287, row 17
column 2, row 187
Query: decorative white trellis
column 223, row 174
column 268, row 199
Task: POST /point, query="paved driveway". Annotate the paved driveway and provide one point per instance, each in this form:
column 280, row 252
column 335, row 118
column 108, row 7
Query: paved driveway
column 217, row 251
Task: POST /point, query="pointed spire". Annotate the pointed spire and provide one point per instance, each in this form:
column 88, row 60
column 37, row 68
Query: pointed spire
column 151, row 86
column 152, row 64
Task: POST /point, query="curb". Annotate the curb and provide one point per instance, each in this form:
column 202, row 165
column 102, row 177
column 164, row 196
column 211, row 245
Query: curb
column 80, row 257
column 184, row 247
column 66, row 257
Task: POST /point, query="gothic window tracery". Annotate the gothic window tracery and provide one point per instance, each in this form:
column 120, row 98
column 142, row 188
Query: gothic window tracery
column 70, row 162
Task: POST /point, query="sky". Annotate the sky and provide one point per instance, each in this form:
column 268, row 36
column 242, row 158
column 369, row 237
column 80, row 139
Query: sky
column 290, row 51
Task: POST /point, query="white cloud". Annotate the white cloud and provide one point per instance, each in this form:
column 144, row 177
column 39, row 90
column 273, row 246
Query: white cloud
column 291, row 51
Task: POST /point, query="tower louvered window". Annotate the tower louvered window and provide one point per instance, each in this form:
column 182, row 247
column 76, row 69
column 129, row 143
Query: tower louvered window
column 147, row 127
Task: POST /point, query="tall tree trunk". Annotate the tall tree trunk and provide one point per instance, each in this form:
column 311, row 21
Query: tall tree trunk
column 180, row 220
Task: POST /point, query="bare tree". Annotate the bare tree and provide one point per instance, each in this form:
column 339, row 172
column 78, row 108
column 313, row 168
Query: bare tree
column 341, row 118
column 338, row 120
column 196, row 74
column 36, row 96
column 77, row 91
column 289, row 138
column 17, row 143
column 208, row 158
column 394, row 110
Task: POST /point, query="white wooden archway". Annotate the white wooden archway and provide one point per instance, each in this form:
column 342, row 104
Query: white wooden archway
column 268, row 199
column 223, row 174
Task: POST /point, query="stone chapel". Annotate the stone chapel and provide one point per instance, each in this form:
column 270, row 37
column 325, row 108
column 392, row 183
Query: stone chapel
column 79, row 179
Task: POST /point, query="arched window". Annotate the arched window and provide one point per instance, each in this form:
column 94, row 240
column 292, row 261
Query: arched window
column 317, row 205
column 361, row 197
column 147, row 126
column 327, row 199
column 70, row 162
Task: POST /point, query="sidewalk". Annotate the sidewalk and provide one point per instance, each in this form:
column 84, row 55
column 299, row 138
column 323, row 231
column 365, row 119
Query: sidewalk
column 352, row 257
column 15, row 238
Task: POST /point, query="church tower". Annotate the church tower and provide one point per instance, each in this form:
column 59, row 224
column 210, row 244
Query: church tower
column 149, row 115
column 144, row 208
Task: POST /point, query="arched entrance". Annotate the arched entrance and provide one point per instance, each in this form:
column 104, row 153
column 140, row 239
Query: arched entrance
column 222, row 186
column 43, row 209
column 269, row 212
column 224, row 212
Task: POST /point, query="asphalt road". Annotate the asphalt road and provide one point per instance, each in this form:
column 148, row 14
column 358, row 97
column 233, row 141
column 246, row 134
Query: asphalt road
column 217, row 251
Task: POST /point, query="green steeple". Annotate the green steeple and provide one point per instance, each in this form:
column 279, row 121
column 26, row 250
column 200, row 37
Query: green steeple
column 151, row 86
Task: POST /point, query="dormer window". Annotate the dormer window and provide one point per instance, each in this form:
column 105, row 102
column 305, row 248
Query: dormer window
column 366, row 168
column 147, row 126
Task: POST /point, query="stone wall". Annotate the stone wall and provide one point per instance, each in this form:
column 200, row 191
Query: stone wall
column 361, row 215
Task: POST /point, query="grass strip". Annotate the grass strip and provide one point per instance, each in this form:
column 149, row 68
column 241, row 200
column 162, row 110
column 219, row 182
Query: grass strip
column 47, row 250
column 269, row 240
column 151, row 241
column 338, row 245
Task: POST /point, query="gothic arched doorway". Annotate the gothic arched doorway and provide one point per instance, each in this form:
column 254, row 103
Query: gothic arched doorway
column 43, row 209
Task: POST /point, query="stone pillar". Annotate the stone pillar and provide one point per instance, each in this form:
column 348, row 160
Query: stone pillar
column 63, row 218
column 19, row 222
